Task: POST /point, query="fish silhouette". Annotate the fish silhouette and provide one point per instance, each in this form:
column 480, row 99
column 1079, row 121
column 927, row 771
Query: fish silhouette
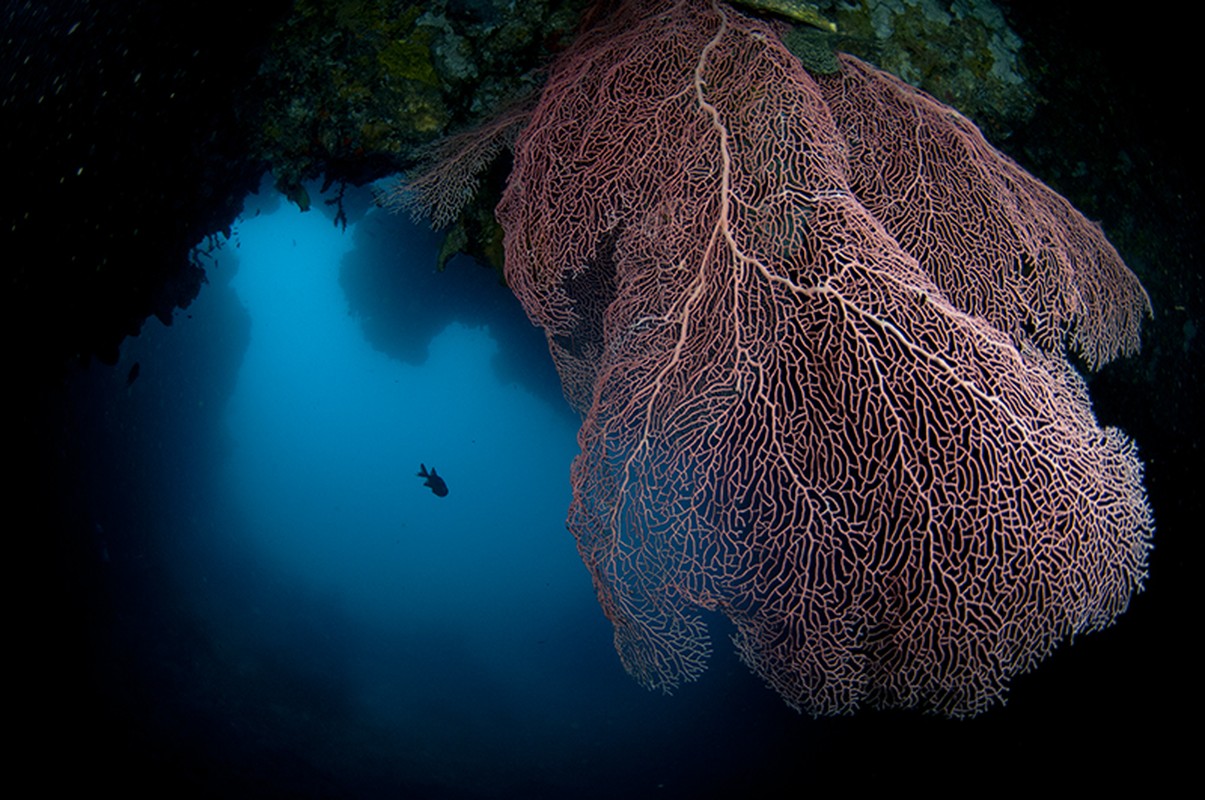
column 434, row 481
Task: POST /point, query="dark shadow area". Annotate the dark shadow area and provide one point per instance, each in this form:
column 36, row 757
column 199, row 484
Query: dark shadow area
column 402, row 302
column 159, row 647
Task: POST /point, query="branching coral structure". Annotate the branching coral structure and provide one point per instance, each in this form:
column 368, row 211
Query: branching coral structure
column 816, row 329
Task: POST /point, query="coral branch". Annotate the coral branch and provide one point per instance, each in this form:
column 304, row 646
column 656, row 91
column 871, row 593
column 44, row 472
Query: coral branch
column 815, row 328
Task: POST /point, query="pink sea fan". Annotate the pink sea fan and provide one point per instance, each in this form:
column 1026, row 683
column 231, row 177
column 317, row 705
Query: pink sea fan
column 815, row 328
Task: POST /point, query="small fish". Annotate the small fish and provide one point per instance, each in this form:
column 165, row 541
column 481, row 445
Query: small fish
column 133, row 374
column 434, row 481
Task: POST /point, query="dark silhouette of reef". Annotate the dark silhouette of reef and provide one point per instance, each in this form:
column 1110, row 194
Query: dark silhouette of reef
column 402, row 302
column 123, row 152
column 131, row 132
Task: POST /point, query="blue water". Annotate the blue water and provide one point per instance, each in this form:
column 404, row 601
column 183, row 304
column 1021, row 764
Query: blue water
column 346, row 631
column 329, row 434
column 271, row 604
